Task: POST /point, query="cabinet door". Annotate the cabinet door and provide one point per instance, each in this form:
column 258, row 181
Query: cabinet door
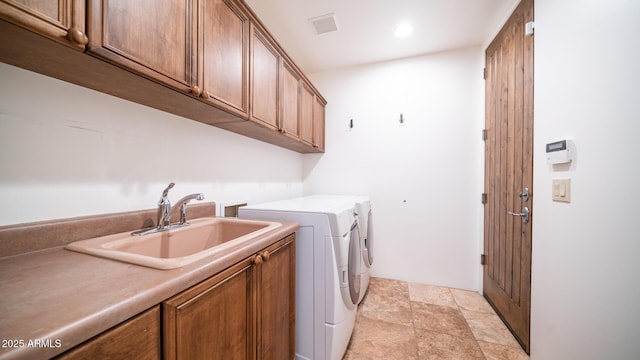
column 264, row 67
column 290, row 101
column 61, row 20
column 136, row 338
column 224, row 66
column 152, row 37
column 318, row 123
column 276, row 310
column 212, row 320
column 306, row 113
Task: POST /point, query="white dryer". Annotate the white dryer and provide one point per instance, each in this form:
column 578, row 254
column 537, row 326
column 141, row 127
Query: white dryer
column 362, row 206
column 327, row 271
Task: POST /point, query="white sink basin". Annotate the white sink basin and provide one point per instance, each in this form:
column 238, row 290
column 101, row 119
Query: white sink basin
column 177, row 247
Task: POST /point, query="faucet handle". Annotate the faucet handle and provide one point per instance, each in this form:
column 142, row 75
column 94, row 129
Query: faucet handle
column 166, row 191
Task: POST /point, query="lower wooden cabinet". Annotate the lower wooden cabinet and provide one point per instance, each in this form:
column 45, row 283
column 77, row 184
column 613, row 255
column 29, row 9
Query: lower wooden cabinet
column 276, row 296
column 136, row 338
column 244, row 312
column 212, row 319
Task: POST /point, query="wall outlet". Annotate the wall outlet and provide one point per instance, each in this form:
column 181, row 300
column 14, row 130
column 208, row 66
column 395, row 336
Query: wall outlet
column 230, row 209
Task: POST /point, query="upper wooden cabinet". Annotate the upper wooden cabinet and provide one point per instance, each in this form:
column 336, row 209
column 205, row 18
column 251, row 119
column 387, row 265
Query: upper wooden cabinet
column 153, row 38
column 61, row 20
column 289, row 101
column 223, row 68
column 264, row 69
column 208, row 60
column 306, row 113
column 318, row 122
column 302, row 108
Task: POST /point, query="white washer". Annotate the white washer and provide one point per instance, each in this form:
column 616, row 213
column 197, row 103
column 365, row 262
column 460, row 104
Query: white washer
column 327, row 271
column 362, row 205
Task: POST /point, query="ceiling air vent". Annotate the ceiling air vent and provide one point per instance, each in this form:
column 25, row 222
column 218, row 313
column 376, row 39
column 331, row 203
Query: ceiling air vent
column 325, row 23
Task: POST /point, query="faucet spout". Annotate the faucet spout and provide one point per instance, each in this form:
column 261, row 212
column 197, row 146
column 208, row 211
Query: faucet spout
column 183, row 206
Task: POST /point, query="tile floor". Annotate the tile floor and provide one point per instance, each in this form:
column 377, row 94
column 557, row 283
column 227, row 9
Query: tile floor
column 406, row 321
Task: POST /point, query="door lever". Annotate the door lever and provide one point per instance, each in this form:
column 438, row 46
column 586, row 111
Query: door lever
column 524, row 214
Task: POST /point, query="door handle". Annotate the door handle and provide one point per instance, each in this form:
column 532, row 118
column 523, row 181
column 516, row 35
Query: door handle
column 524, row 214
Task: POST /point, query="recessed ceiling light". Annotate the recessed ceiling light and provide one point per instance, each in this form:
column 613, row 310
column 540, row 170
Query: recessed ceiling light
column 403, row 30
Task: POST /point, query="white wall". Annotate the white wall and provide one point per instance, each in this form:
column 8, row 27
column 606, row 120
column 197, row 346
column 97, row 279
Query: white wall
column 585, row 276
column 67, row 151
column 433, row 161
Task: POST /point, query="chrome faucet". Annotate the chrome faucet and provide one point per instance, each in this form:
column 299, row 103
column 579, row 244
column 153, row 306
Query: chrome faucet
column 166, row 212
column 183, row 206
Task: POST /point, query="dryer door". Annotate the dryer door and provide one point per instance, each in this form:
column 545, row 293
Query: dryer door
column 355, row 252
column 368, row 241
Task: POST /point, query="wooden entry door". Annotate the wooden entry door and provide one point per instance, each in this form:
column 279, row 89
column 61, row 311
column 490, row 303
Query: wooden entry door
column 508, row 171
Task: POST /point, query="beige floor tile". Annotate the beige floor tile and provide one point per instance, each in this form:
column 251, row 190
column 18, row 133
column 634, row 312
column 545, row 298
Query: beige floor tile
column 438, row 346
column 472, row 301
column 501, row 352
column 407, row 321
column 399, row 316
column 387, row 300
column 431, row 294
column 385, row 294
column 349, row 355
column 376, row 339
column 489, row 328
column 438, row 318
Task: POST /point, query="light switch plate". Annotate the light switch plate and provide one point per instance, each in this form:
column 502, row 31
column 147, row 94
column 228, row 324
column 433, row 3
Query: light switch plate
column 561, row 190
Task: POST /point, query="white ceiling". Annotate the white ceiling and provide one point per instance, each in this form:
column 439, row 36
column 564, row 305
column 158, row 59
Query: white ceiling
column 365, row 28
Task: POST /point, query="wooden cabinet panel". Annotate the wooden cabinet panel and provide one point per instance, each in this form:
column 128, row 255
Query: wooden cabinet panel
column 290, row 101
column 136, row 338
column 276, row 329
column 212, row 320
column 264, row 69
column 152, row 37
column 244, row 312
column 318, row 123
column 61, row 20
column 306, row 113
column 224, row 66
column 214, row 52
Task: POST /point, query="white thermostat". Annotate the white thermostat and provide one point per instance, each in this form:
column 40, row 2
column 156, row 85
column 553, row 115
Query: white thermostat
column 558, row 152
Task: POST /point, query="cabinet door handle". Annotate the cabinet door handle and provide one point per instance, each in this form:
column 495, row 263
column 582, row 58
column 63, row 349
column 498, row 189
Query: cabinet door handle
column 205, row 94
column 77, row 36
column 266, row 255
column 195, row 90
column 257, row 260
